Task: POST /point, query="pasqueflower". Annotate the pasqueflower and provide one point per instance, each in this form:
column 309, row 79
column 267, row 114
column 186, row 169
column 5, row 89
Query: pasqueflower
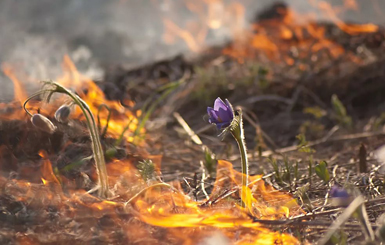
column 222, row 114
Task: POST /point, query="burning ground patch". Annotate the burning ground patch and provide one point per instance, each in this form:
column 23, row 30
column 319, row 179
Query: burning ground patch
column 282, row 72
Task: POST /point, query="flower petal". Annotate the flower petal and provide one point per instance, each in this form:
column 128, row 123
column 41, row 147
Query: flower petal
column 219, row 104
column 226, row 115
column 222, row 114
column 222, row 125
column 338, row 192
column 213, row 117
column 230, row 107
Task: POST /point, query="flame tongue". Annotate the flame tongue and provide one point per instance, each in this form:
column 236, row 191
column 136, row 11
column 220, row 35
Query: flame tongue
column 187, row 221
column 120, row 118
column 273, row 37
column 177, row 210
column 158, row 207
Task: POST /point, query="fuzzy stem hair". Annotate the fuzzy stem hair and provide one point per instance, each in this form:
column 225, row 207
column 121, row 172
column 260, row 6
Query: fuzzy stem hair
column 236, row 129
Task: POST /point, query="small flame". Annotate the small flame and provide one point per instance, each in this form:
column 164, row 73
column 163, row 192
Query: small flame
column 71, row 77
column 120, row 115
column 173, row 30
column 45, row 182
column 47, row 171
column 159, row 208
column 19, row 92
column 352, row 29
column 212, row 15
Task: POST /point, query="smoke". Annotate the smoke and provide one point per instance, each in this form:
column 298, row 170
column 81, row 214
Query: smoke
column 35, row 34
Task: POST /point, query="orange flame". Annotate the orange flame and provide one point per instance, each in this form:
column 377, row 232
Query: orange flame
column 212, row 15
column 47, row 171
column 352, row 29
column 272, row 38
column 192, row 42
column 19, row 93
column 160, row 206
column 121, row 117
column 169, row 208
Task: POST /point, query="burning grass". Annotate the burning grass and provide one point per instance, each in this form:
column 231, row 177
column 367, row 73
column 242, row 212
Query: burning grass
column 289, row 78
column 53, row 185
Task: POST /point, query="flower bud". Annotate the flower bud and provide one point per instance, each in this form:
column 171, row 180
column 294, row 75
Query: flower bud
column 63, row 113
column 339, row 196
column 222, row 114
column 43, row 123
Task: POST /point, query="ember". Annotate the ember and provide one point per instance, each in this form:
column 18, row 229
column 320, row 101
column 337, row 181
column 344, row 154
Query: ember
column 100, row 162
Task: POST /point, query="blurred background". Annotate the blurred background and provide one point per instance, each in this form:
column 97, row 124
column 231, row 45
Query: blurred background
column 98, row 34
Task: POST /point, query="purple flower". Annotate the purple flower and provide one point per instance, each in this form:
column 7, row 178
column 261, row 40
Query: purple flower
column 222, row 115
column 338, row 192
column 339, row 196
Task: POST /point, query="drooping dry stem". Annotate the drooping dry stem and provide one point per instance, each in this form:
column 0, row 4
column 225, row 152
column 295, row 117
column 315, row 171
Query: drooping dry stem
column 95, row 139
column 97, row 149
column 31, row 97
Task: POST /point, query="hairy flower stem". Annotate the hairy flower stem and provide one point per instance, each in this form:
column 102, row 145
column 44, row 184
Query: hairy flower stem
column 31, row 97
column 238, row 134
column 97, row 149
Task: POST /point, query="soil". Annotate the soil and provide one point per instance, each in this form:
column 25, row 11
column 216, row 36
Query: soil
column 274, row 100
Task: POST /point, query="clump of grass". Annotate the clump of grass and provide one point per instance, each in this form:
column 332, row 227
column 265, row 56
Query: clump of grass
column 210, row 161
column 146, row 169
column 257, row 74
column 221, row 82
column 313, row 128
column 214, row 78
column 322, row 171
column 340, row 113
column 303, row 147
column 302, row 194
column 150, row 106
column 285, row 172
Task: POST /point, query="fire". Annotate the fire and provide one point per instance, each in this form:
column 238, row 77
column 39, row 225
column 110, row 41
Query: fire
column 120, row 116
column 146, row 211
column 11, row 110
column 212, row 15
column 351, row 29
column 151, row 203
column 188, row 221
column 272, row 38
column 19, row 93
column 192, row 42
column 47, row 171
column 267, row 204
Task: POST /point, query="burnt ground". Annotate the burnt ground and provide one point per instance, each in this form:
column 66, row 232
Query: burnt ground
column 279, row 100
